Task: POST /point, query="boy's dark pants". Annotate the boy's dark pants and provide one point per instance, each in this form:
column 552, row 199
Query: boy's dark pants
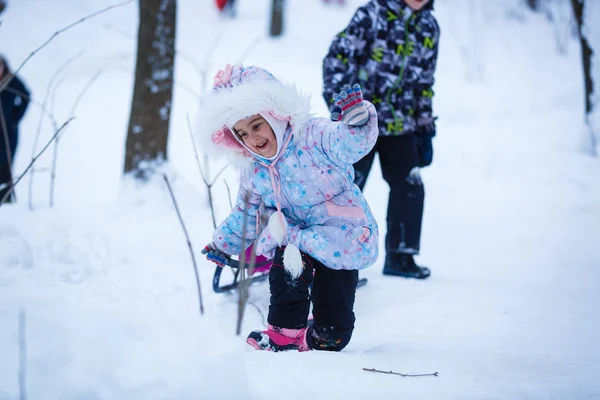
column 398, row 155
column 5, row 182
column 332, row 295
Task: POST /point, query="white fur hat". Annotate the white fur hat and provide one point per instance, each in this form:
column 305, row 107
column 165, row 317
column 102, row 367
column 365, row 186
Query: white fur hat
column 240, row 92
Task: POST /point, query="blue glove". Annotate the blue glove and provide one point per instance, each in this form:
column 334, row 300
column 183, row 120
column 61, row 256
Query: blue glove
column 349, row 107
column 424, row 149
column 214, row 255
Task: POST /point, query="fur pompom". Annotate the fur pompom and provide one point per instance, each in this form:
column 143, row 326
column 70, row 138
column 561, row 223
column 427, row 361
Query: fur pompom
column 278, row 227
column 292, row 261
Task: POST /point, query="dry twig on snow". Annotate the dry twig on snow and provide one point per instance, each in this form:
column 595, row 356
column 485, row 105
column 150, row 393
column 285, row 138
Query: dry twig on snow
column 398, row 373
column 189, row 243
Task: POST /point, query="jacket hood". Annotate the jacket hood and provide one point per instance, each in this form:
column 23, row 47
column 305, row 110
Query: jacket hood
column 240, row 92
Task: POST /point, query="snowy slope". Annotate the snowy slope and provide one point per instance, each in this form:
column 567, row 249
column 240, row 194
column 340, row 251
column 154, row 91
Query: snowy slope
column 511, row 229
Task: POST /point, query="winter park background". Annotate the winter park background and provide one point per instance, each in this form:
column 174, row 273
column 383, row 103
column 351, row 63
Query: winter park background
column 511, row 226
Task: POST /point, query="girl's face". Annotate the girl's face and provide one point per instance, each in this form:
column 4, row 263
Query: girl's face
column 416, row 4
column 257, row 135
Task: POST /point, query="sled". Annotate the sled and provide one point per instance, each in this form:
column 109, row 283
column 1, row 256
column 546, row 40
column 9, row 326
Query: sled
column 260, row 273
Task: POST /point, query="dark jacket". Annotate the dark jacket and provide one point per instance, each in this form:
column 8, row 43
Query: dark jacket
column 14, row 99
column 391, row 50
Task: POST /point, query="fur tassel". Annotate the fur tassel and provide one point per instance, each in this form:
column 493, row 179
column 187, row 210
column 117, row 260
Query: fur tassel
column 292, row 261
column 278, row 227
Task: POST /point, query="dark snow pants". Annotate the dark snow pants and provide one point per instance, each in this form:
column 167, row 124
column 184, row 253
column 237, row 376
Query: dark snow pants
column 332, row 295
column 5, row 182
column 398, row 155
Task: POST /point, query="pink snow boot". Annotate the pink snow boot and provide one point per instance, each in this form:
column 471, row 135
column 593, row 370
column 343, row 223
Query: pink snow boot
column 278, row 339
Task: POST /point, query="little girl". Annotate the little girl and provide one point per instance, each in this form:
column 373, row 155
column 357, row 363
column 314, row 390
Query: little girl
column 320, row 229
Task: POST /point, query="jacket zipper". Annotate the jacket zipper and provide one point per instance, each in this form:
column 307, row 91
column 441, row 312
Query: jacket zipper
column 400, row 77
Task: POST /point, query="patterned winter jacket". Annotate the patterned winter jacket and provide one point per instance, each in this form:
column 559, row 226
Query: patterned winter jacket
column 391, row 51
column 312, row 178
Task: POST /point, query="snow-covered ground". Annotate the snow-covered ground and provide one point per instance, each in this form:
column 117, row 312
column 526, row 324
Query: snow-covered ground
column 511, row 227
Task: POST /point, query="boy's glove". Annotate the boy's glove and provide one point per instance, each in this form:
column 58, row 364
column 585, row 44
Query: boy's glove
column 349, row 107
column 424, row 149
column 215, row 255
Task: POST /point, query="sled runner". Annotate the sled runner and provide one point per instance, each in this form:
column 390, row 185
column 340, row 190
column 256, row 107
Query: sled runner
column 260, row 273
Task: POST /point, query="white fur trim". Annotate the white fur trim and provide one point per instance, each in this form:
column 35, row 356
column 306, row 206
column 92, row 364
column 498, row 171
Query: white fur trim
column 292, row 261
column 278, row 227
column 226, row 107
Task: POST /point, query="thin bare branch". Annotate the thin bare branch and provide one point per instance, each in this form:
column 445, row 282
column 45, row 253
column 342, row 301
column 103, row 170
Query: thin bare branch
column 208, row 187
column 204, row 70
column 54, row 124
column 12, row 187
column 189, row 124
column 121, row 32
column 190, row 59
column 39, row 127
column 6, row 139
column 228, row 194
column 218, row 174
column 189, row 89
column 184, row 56
column 212, row 48
column 3, row 125
column 66, row 28
column 203, row 175
column 52, row 101
column 206, row 164
column 242, row 268
column 56, row 142
column 207, row 58
column 249, row 49
column 397, row 373
column 32, row 101
column 83, row 91
column 244, row 281
column 592, row 134
column 189, row 243
column 22, row 355
column 260, row 312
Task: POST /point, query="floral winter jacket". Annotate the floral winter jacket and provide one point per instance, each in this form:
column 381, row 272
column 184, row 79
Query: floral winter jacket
column 329, row 218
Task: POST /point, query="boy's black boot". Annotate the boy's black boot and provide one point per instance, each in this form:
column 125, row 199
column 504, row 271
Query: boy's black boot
column 400, row 264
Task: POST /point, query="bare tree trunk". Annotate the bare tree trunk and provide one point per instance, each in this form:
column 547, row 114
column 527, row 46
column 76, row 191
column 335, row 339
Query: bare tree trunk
column 277, row 17
column 586, row 57
column 148, row 130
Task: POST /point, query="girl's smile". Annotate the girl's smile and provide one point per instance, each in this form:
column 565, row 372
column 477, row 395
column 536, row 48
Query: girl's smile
column 257, row 135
